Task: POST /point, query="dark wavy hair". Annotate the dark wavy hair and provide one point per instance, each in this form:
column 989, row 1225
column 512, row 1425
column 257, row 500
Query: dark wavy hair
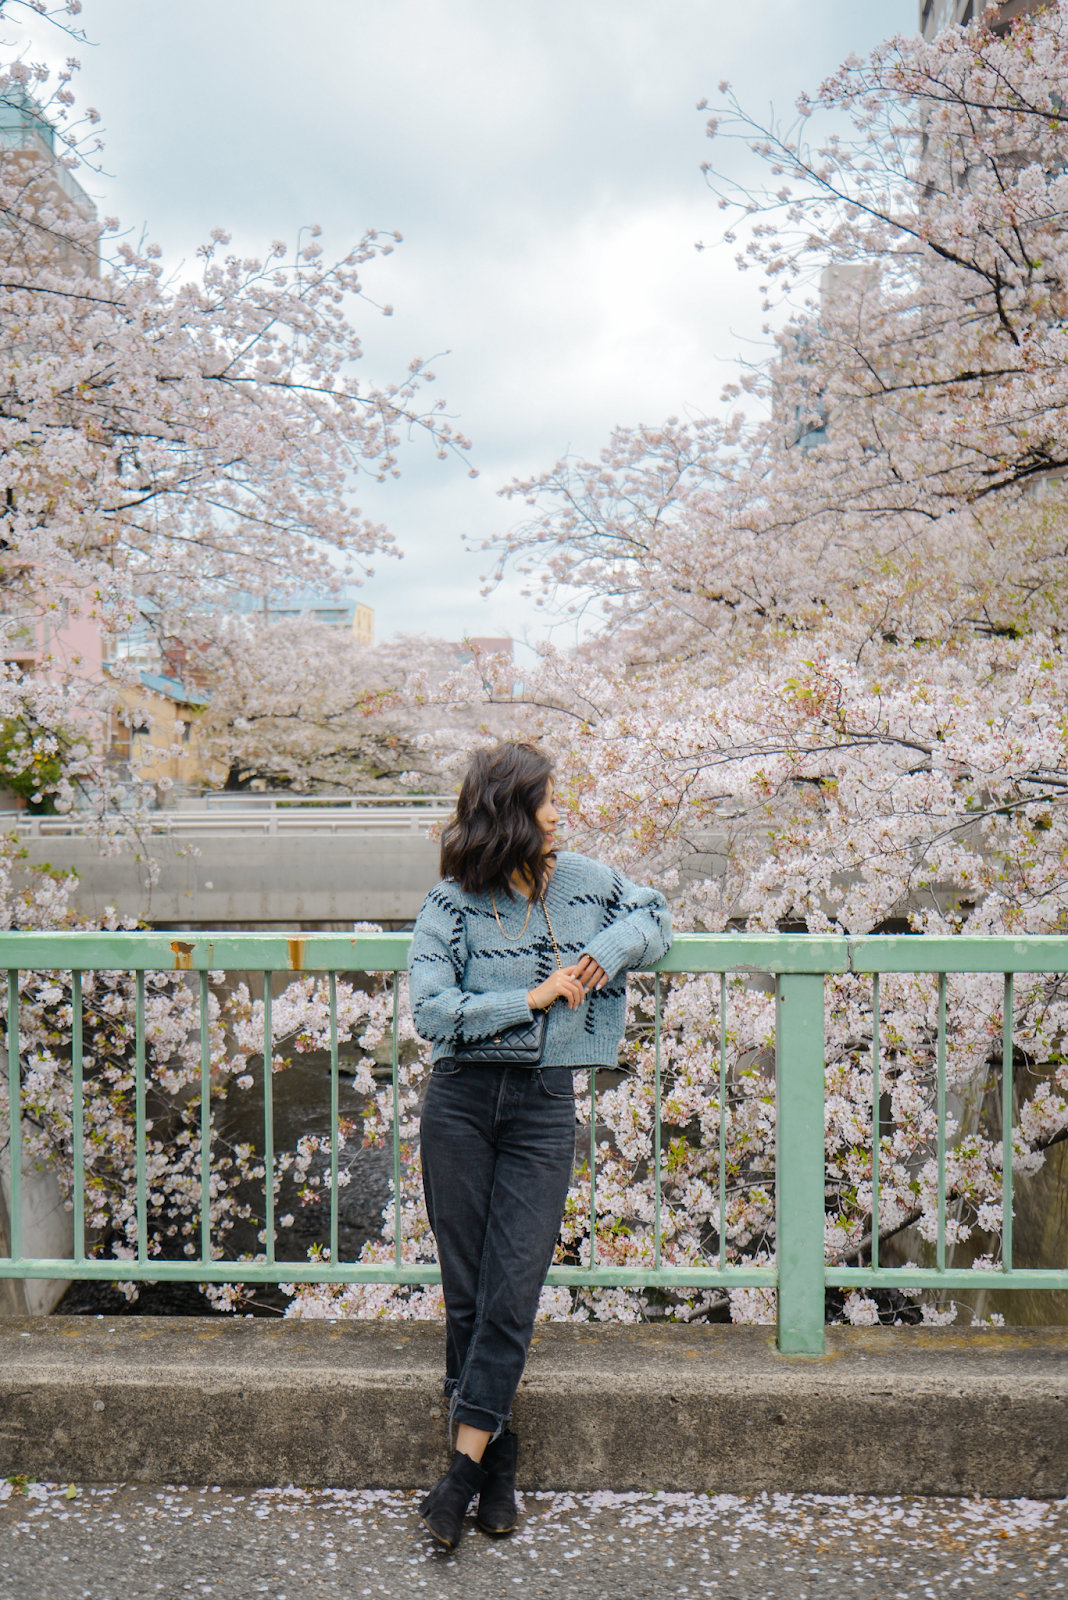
column 493, row 832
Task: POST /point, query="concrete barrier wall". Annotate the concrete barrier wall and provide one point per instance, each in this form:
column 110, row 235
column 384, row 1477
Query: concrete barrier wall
column 715, row 1409
column 248, row 879
column 47, row 1231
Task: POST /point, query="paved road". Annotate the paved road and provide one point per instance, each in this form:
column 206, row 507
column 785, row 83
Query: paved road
column 122, row 1543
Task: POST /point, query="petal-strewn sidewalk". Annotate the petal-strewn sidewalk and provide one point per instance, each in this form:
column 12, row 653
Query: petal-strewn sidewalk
column 136, row 1543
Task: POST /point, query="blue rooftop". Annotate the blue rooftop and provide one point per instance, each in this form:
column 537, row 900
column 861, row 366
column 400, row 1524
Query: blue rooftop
column 173, row 689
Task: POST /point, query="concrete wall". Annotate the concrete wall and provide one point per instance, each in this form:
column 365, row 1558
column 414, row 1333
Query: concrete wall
column 245, row 880
column 230, row 1401
column 47, row 1231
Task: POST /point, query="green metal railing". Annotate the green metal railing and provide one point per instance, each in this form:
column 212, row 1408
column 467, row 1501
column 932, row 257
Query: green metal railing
column 799, row 965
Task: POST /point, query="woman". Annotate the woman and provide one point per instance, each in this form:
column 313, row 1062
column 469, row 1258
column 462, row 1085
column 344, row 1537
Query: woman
column 511, row 929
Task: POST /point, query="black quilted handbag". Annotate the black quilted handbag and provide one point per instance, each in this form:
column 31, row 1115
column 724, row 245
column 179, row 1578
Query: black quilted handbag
column 519, row 1046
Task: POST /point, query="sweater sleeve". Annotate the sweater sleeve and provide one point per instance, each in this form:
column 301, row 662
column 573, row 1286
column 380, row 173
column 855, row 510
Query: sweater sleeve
column 442, row 1011
column 637, row 931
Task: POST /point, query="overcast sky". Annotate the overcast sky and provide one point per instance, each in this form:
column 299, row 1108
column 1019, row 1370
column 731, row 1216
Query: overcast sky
column 541, row 159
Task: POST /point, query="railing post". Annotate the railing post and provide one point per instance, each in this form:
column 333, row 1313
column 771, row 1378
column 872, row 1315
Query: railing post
column 799, row 1164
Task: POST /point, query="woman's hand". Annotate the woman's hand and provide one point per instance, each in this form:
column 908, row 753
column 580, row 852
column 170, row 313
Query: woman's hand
column 589, row 974
column 560, row 985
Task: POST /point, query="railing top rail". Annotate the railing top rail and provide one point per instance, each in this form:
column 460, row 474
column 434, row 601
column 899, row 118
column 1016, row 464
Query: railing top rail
column 388, row 952
column 980, row 952
column 259, row 803
column 294, row 802
column 254, row 818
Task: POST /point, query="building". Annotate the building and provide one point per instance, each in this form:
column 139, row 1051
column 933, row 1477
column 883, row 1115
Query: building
column 56, row 635
column 156, row 714
column 28, row 140
column 938, row 14
column 363, row 625
column 480, row 650
column 312, row 605
column 54, row 632
column 50, row 634
column 806, row 422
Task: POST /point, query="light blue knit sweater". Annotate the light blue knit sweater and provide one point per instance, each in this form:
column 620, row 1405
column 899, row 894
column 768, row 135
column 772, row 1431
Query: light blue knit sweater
column 467, row 982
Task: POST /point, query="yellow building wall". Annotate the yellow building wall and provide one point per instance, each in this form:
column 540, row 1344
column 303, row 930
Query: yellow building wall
column 363, row 625
column 146, row 728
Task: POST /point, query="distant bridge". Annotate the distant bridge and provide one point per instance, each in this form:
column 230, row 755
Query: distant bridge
column 254, row 861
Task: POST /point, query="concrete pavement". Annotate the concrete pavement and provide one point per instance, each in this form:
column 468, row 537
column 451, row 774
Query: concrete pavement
column 166, row 1543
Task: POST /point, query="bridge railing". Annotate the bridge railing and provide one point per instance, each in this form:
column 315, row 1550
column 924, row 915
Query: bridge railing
column 799, row 966
column 332, row 814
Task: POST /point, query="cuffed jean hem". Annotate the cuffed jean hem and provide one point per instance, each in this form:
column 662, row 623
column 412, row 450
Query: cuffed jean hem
column 463, row 1412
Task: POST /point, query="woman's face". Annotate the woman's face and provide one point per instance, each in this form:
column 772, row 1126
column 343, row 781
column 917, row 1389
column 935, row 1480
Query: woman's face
column 547, row 817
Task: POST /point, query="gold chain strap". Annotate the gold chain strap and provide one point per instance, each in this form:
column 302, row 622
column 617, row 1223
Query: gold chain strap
column 552, row 935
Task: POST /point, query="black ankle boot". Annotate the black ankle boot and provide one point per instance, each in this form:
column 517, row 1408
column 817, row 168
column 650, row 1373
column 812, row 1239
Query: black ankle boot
column 496, row 1504
column 445, row 1507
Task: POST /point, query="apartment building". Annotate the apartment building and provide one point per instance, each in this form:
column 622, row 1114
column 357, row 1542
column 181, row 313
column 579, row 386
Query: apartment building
column 28, row 145
column 312, row 605
column 937, row 14
column 363, row 624
column 55, row 633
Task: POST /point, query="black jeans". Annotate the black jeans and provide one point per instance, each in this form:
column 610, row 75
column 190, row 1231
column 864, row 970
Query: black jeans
column 497, row 1147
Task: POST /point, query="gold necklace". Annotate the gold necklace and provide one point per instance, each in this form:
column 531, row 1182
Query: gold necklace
column 512, row 938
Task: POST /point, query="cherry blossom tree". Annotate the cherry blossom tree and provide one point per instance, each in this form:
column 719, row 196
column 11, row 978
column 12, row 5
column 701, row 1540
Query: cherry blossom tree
column 911, row 412
column 175, row 439
column 200, row 436
column 930, row 803
column 938, row 354
column 301, row 704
